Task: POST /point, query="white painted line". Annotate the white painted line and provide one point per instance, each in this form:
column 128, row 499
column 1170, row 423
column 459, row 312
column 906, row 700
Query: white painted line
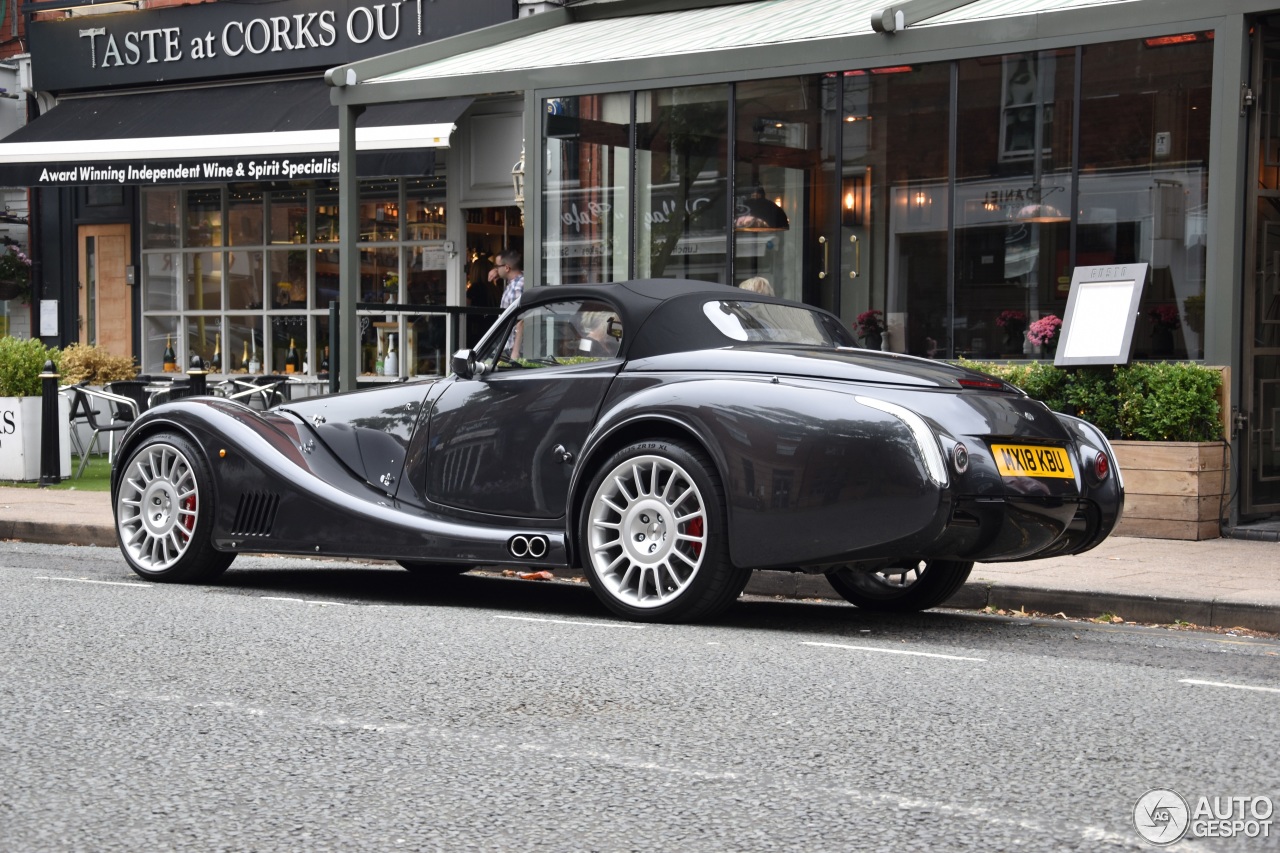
column 893, row 651
column 305, row 601
column 86, row 580
column 567, row 622
column 1232, row 686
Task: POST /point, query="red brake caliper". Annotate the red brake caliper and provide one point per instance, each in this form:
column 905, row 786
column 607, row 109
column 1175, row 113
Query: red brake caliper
column 695, row 529
column 189, row 504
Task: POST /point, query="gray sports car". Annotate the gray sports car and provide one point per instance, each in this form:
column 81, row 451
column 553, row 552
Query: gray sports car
column 666, row 437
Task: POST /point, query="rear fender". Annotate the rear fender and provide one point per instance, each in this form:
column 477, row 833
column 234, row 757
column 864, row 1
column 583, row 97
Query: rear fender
column 810, row 476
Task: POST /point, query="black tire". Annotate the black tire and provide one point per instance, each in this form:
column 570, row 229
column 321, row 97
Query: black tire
column 164, row 510
column 421, row 568
column 657, row 550
column 907, row 587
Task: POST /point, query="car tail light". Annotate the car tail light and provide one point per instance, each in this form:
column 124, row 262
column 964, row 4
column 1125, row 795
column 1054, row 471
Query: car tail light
column 984, row 384
column 1101, row 466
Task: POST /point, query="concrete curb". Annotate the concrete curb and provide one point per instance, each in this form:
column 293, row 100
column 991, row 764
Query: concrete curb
column 974, row 595
column 977, row 595
column 55, row 533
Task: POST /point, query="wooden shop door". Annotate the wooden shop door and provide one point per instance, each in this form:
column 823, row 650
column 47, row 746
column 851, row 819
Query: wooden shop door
column 106, row 299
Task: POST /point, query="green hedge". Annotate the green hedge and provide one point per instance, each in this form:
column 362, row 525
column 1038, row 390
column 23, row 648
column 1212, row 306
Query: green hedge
column 21, row 363
column 1156, row 401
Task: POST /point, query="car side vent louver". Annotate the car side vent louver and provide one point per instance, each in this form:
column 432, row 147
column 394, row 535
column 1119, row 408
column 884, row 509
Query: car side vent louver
column 256, row 514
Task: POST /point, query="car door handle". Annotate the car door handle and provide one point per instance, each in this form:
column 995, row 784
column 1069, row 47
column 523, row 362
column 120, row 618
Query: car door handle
column 562, row 454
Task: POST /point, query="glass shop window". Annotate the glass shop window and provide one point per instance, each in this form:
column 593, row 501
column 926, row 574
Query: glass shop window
column 203, row 218
column 287, row 216
column 159, row 219
column 1013, row 217
column 894, row 197
column 585, row 197
column 244, row 211
column 427, row 259
column 379, row 211
column 1144, row 179
column 681, row 171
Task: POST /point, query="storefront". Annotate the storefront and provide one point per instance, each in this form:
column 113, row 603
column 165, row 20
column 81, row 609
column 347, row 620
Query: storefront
column 183, row 172
column 946, row 164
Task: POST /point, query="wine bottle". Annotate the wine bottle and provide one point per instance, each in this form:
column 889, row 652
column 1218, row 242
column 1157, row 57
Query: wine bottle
column 324, row 360
column 291, row 361
column 390, row 362
column 244, row 358
column 377, row 362
column 216, row 365
column 170, row 358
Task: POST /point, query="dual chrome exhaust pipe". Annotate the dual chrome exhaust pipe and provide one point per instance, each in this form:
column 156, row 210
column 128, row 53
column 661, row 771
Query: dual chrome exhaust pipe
column 532, row 547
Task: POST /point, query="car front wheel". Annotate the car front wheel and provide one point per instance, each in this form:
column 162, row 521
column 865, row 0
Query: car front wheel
column 164, row 513
column 653, row 535
column 908, row 586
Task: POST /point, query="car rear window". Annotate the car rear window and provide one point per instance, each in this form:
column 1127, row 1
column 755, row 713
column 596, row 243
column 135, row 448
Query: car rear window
column 771, row 322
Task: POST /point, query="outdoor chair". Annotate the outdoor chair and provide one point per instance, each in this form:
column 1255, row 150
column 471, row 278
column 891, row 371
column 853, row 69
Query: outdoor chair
column 257, row 391
column 123, row 411
column 178, row 388
column 134, row 389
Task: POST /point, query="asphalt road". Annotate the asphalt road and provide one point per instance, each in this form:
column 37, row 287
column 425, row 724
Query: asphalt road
column 306, row 706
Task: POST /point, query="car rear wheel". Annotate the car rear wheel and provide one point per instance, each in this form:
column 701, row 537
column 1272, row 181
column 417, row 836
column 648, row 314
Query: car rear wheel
column 420, row 568
column 653, row 535
column 164, row 513
column 908, row 586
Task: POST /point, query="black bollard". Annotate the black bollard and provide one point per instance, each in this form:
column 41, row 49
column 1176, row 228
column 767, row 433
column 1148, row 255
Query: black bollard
column 199, row 377
column 51, row 427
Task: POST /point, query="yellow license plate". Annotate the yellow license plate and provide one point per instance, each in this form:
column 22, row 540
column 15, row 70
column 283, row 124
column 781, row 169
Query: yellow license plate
column 1029, row 460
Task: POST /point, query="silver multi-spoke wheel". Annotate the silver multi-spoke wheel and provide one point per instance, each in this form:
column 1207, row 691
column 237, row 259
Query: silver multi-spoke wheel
column 164, row 508
column 647, row 529
column 157, row 507
column 653, row 534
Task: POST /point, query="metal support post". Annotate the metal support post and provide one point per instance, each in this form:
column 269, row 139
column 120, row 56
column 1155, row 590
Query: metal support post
column 199, row 377
column 51, row 427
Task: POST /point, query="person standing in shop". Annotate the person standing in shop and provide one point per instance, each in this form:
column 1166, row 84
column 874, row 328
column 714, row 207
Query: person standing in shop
column 510, row 268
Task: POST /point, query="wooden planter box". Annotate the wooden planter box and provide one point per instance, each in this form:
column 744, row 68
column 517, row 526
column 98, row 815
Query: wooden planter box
column 1173, row 489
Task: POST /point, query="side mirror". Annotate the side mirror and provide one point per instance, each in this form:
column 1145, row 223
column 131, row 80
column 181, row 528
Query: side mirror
column 465, row 364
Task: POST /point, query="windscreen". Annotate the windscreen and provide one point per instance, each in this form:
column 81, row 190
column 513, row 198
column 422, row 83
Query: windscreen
column 771, row 322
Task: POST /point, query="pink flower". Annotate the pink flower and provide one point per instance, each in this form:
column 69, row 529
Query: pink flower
column 870, row 322
column 1044, row 330
column 1165, row 316
column 1011, row 318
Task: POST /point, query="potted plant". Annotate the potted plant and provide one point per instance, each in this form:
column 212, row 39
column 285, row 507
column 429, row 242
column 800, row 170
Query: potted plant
column 15, row 274
column 1014, row 323
column 1164, row 420
column 870, row 326
column 95, row 366
column 1044, row 333
column 1164, row 322
column 22, row 361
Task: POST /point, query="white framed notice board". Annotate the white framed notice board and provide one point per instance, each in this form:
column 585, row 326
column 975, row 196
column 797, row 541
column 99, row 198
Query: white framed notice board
column 1101, row 311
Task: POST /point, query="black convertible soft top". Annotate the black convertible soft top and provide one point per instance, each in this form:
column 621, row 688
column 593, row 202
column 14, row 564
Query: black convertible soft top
column 662, row 315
